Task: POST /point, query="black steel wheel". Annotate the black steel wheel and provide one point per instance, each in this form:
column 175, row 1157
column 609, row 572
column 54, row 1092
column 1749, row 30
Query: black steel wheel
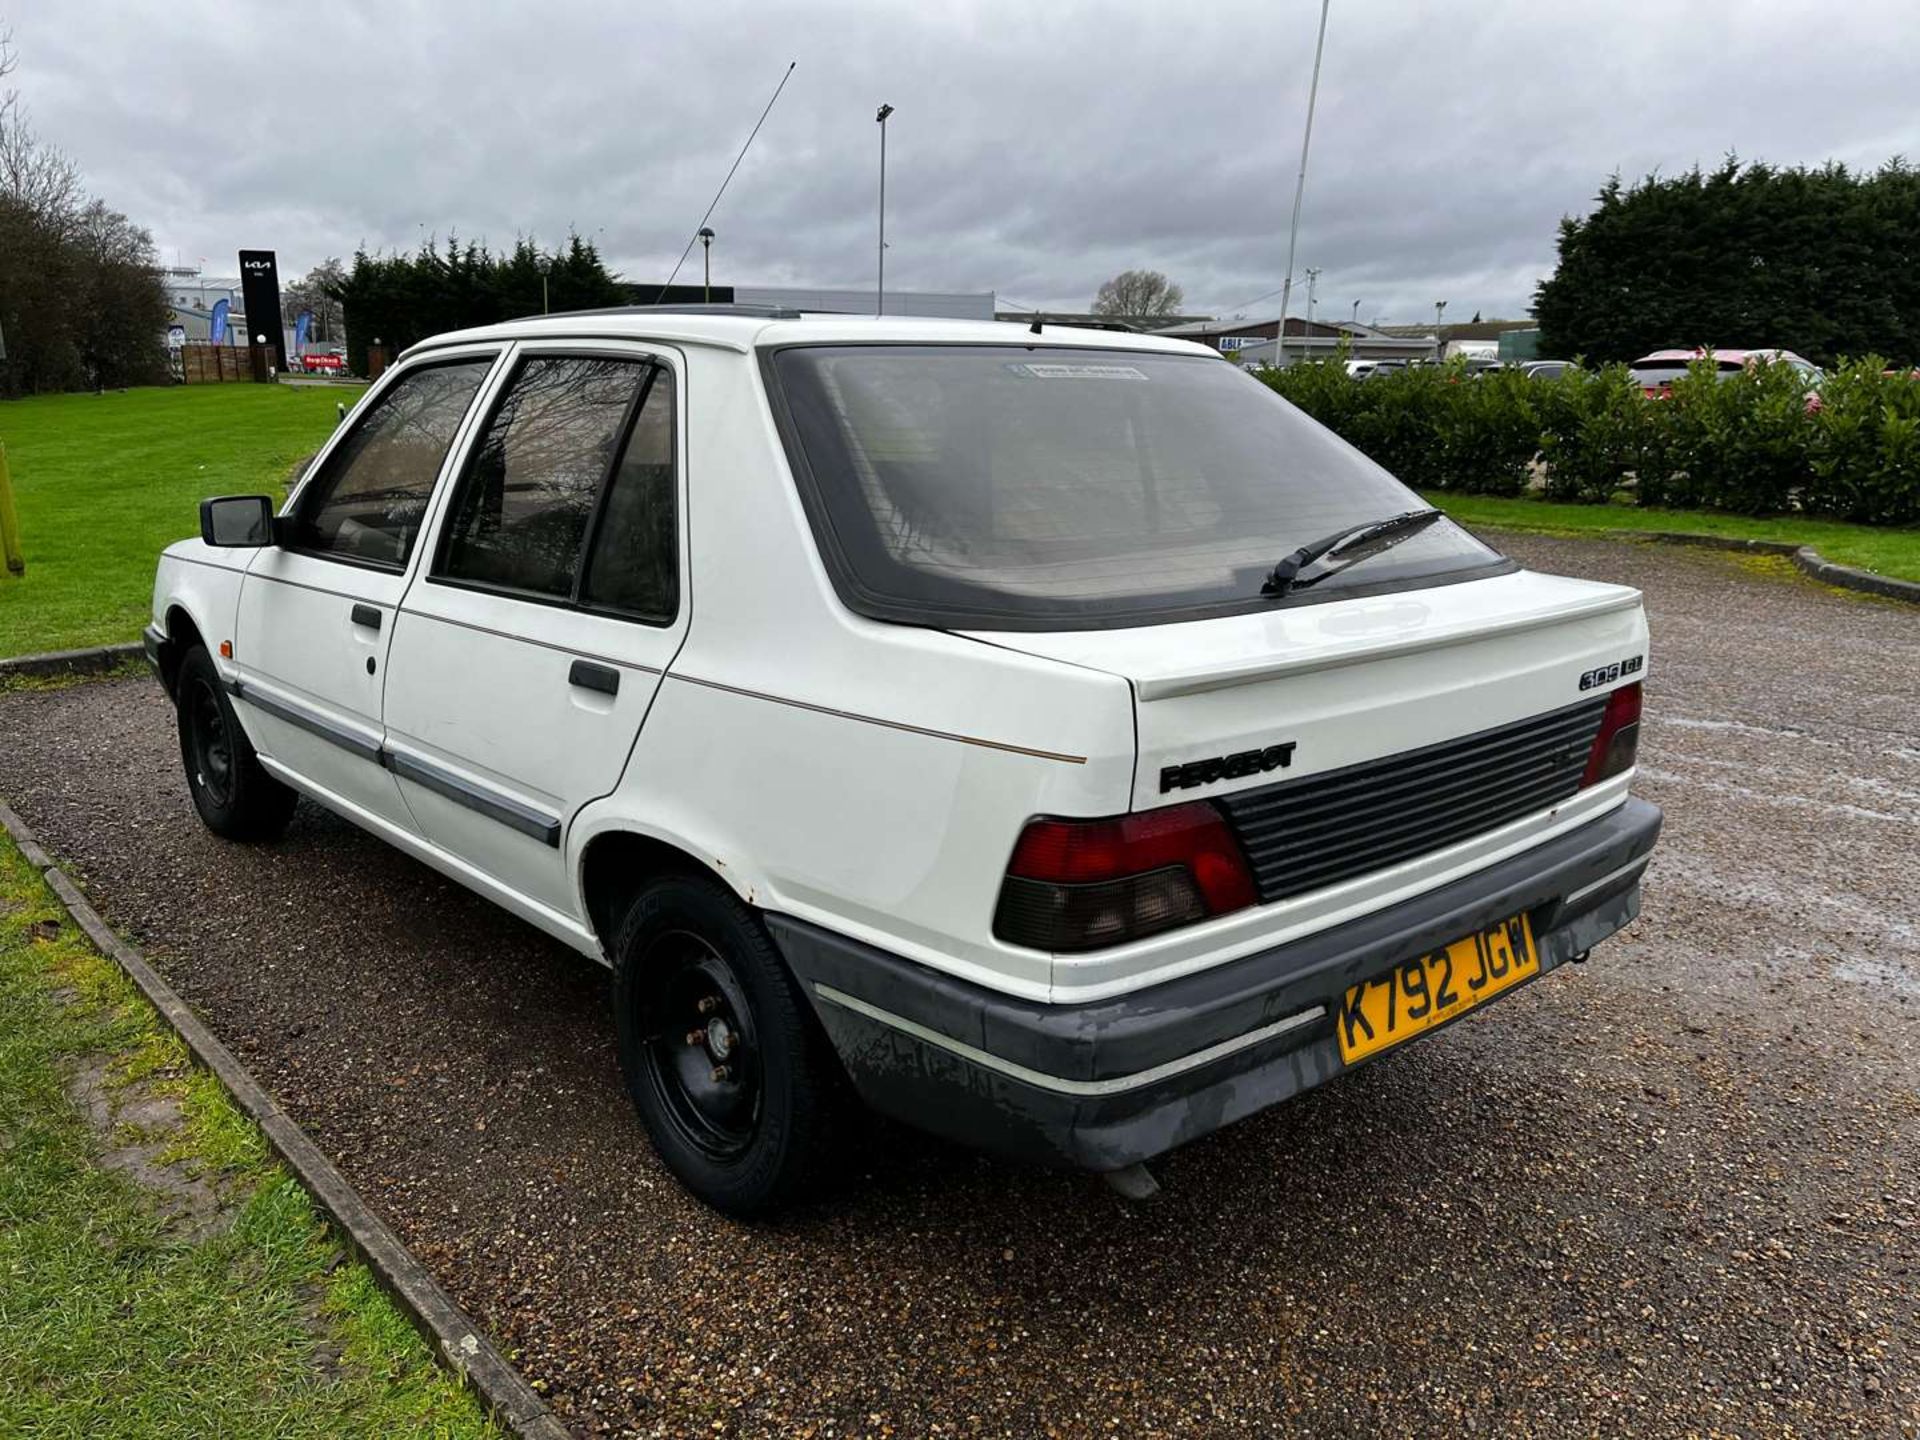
column 739, row 1089
column 209, row 740
column 236, row 797
column 702, row 1055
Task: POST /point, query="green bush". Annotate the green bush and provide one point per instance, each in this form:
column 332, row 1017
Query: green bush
column 1865, row 459
column 1600, row 435
column 1753, row 442
column 1734, row 442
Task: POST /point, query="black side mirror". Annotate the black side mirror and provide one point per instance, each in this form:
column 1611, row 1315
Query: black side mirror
column 237, row 520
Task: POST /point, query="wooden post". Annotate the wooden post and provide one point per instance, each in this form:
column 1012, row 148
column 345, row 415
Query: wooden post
column 9, row 521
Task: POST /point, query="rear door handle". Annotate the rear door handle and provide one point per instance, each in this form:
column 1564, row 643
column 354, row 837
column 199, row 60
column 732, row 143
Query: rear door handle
column 367, row 615
column 589, row 676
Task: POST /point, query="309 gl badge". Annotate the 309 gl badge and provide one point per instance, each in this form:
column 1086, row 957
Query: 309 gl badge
column 1607, row 674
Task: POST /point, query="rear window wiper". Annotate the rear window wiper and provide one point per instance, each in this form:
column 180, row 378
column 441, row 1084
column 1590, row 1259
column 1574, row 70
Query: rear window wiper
column 1348, row 547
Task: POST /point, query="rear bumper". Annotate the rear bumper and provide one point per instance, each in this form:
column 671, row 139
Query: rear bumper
column 1103, row 1085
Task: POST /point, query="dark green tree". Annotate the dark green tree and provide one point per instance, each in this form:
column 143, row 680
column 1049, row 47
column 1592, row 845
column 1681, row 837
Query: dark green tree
column 1816, row 260
column 400, row 299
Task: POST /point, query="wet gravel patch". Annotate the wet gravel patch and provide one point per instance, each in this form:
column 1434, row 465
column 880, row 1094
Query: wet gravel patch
column 1673, row 1192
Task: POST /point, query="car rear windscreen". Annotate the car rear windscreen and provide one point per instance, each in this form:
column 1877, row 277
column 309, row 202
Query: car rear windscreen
column 1014, row 487
column 1663, row 374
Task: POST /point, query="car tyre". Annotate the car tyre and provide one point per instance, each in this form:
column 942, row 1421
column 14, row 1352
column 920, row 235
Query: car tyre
column 737, row 1085
column 236, row 797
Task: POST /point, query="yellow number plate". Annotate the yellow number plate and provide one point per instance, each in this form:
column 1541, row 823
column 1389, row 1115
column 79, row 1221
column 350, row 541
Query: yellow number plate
column 1418, row 994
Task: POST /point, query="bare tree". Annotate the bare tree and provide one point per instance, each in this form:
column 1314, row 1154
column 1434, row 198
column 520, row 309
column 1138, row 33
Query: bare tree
column 319, row 291
column 36, row 176
column 1139, row 294
column 79, row 295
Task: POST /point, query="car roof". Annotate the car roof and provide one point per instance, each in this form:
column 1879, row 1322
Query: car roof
column 744, row 331
column 1734, row 357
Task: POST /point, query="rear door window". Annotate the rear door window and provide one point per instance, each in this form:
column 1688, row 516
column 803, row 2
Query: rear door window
column 367, row 503
column 634, row 564
column 568, row 496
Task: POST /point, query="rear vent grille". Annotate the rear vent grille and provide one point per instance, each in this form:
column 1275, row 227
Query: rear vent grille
column 1303, row 835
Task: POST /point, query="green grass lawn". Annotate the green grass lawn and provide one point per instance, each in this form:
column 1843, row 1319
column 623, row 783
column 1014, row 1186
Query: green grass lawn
column 1889, row 552
column 104, row 482
column 116, row 1321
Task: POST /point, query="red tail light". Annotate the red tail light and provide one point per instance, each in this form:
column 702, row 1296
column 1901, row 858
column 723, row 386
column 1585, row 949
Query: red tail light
column 1085, row 884
column 1618, row 742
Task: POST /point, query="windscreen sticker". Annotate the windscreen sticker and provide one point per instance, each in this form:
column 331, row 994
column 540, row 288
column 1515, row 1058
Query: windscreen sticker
column 1053, row 370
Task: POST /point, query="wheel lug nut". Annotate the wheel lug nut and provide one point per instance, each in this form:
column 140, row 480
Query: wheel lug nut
column 720, row 1072
column 696, row 1037
column 709, row 1005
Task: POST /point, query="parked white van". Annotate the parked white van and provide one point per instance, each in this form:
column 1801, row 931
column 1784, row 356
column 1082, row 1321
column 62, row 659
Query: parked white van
column 1053, row 734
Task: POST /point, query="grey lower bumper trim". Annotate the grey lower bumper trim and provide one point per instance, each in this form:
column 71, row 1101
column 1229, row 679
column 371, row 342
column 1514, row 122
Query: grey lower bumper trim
column 1060, row 1085
column 1613, row 877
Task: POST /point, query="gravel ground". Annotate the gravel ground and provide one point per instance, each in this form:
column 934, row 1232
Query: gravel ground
column 1673, row 1192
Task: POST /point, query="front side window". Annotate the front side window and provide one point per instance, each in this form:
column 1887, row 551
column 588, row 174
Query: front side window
column 1007, row 487
column 367, row 503
column 569, row 493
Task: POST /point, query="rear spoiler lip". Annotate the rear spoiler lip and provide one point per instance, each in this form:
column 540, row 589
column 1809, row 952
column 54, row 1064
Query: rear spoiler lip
column 1170, row 684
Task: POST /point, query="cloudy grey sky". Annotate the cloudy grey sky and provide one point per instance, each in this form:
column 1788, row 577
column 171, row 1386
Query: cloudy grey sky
column 1036, row 148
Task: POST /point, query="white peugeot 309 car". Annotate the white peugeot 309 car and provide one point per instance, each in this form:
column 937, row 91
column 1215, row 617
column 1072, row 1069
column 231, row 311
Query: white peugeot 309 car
column 1054, row 734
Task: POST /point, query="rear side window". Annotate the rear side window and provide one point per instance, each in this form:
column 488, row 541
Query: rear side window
column 633, row 567
column 366, row 505
column 569, row 494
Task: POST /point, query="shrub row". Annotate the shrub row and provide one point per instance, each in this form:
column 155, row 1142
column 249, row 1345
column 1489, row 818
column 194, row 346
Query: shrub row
column 1751, row 442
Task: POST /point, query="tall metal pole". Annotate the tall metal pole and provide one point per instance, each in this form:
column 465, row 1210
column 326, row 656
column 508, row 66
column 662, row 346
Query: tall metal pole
column 1439, row 340
column 1300, row 190
column 1313, row 283
column 1354, row 319
column 880, row 286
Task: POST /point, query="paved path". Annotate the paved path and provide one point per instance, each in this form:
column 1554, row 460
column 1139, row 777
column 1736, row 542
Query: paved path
column 1673, row 1192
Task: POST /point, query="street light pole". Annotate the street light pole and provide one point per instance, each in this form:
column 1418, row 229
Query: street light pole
column 546, row 264
column 1313, row 280
column 1299, row 191
column 706, row 265
column 880, row 286
column 1354, row 319
column 1439, row 340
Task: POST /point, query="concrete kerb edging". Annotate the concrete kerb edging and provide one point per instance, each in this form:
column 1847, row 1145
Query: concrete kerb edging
column 500, row 1388
column 92, row 661
column 1807, row 559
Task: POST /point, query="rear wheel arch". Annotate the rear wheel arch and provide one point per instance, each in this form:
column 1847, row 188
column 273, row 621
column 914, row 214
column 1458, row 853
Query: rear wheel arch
column 618, row 864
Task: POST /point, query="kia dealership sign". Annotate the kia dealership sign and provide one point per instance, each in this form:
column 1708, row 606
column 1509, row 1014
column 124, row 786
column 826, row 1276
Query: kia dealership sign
column 260, row 292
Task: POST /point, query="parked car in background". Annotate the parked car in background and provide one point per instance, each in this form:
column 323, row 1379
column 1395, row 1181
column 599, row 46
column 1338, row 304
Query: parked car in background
column 1061, row 741
column 1546, row 369
column 1657, row 372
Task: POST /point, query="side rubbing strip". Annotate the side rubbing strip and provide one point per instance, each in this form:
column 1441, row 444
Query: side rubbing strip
column 490, row 803
column 305, row 719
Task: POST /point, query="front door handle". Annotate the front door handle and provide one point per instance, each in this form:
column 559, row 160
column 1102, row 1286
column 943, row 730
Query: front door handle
column 589, row 676
column 367, row 615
